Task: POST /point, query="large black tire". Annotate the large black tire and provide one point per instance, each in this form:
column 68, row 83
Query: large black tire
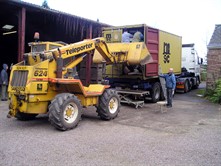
column 186, row 87
column 24, row 116
column 65, row 111
column 109, row 105
column 197, row 83
column 155, row 92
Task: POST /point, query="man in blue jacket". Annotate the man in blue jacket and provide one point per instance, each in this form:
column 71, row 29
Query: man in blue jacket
column 4, row 81
column 170, row 85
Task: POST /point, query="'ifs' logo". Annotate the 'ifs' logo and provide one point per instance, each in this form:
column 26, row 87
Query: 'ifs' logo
column 166, row 52
column 108, row 37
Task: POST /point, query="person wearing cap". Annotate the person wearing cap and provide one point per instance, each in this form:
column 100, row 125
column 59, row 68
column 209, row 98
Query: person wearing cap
column 170, row 85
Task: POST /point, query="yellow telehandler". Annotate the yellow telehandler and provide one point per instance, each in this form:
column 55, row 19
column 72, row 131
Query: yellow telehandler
column 45, row 81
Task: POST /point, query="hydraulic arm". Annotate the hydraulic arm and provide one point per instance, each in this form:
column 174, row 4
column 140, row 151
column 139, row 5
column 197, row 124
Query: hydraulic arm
column 130, row 53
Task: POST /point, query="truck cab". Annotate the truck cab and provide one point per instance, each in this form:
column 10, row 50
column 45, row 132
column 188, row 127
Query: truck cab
column 190, row 59
column 45, row 46
column 190, row 76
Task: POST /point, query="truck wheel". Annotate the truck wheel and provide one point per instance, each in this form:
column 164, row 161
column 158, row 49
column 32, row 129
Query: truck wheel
column 197, row 84
column 109, row 105
column 65, row 111
column 155, row 93
column 186, row 87
column 24, row 116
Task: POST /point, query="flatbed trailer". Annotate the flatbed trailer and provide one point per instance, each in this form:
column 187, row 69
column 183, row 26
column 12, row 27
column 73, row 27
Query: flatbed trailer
column 165, row 50
column 132, row 97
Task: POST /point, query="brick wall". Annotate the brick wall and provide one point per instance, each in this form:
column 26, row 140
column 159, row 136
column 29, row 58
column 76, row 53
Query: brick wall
column 213, row 67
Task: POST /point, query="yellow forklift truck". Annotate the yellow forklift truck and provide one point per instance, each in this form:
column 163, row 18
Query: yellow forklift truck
column 45, row 82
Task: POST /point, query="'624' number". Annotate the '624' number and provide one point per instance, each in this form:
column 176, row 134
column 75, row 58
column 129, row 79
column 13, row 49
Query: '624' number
column 40, row 73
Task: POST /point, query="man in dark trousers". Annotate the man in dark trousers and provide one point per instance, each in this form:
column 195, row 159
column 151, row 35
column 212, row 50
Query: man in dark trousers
column 4, row 81
column 170, row 85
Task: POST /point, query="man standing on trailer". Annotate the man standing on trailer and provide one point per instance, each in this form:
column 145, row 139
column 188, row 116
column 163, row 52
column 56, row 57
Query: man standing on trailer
column 138, row 37
column 126, row 36
column 170, row 85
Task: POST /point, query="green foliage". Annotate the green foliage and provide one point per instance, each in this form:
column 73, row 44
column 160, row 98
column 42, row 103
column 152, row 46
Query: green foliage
column 203, row 76
column 201, row 92
column 214, row 95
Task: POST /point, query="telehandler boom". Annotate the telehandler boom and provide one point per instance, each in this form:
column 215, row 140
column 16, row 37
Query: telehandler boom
column 45, row 82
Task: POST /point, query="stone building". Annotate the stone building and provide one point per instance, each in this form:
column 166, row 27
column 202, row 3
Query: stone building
column 214, row 58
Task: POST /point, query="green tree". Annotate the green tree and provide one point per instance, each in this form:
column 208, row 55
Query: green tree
column 214, row 95
column 45, row 4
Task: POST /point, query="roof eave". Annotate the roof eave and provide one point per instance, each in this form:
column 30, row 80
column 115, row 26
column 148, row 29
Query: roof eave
column 214, row 47
column 31, row 5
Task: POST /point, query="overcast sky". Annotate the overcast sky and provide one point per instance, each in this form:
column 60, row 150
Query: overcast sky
column 194, row 20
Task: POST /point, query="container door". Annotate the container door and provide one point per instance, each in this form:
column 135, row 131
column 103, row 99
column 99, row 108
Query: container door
column 152, row 42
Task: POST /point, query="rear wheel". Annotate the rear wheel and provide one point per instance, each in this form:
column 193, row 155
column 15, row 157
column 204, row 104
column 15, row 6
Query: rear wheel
column 24, row 116
column 155, row 93
column 186, row 86
column 65, row 111
column 109, row 104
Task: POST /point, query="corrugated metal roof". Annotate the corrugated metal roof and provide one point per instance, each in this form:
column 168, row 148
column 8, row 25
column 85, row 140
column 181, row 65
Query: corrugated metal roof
column 32, row 6
column 215, row 41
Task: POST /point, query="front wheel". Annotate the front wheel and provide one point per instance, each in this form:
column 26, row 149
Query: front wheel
column 65, row 111
column 109, row 104
column 197, row 83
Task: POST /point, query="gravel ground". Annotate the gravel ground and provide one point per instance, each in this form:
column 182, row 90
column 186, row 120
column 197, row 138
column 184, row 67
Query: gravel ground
column 187, row 134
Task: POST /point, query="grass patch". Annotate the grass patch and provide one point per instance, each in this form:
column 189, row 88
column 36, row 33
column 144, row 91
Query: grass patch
column 201, row 92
